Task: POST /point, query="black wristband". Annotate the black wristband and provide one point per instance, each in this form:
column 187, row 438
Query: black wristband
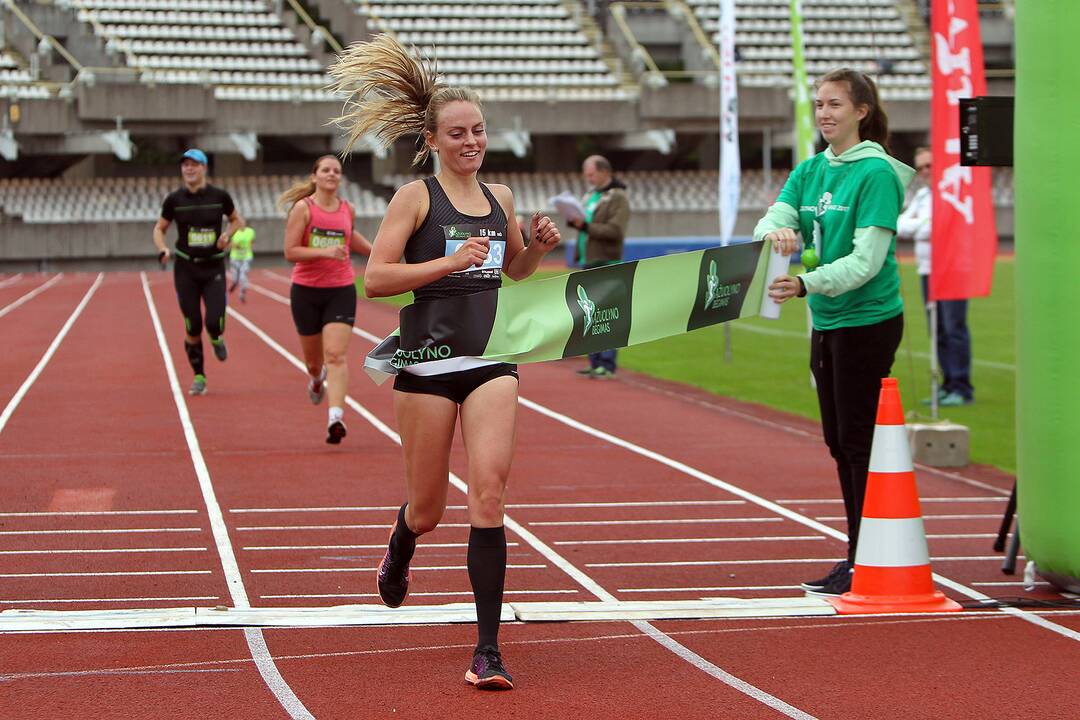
column 802, row 287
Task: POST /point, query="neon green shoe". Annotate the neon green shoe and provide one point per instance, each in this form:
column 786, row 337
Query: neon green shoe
column 198, row 386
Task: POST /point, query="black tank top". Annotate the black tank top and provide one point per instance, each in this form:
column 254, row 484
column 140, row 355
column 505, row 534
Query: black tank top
column 443, row 231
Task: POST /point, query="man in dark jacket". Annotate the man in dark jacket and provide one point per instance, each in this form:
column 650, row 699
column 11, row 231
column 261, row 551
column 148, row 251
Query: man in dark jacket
column 600, row 237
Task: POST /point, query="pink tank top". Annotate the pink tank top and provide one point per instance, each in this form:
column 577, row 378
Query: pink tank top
column 326, row 229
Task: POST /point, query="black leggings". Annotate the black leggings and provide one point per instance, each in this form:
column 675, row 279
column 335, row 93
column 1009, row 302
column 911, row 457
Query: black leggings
column 848, row 365
column 199, row 284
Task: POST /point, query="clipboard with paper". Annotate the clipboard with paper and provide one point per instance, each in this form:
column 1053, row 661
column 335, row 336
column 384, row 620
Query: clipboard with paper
column 568, row 206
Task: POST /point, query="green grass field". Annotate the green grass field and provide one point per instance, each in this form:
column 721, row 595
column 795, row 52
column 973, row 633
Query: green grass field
column 770, row 363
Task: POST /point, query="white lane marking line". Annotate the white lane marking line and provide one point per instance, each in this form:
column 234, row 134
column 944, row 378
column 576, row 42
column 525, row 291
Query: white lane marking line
column 76, row 513
column 675, row 521
column 254, row 637
column 838, row 501
column 717, row 588
column 560, row 562
column 975, row 516
column 792, row 430
column 99, row 531
column 11, row 280
column 1009, row 583
column 378, row 546
column 119, row 573
column 657, row 503
column 80, row 551
column 33, row 376
column 382, row 526
column 464, row 593
column 31, row 295
column 959, row 536
column 516, row 506
column 660, row 541
column 110, row 600
column 371, row 569
column 342, row 508
column 778, row 561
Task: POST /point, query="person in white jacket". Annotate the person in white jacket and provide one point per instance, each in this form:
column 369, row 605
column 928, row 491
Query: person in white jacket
column 953, row 336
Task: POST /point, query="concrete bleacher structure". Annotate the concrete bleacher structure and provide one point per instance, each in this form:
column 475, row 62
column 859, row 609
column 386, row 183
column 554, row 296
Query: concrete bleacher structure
column 237, row 77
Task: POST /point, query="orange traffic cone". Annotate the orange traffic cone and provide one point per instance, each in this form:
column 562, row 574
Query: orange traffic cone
column 892, row 564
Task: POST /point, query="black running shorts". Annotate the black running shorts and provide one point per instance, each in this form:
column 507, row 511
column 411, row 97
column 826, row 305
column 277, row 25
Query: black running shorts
column 455, row 386
column 312, row 307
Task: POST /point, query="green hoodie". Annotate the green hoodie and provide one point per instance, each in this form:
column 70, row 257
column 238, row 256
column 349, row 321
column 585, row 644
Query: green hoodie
column 846, row 207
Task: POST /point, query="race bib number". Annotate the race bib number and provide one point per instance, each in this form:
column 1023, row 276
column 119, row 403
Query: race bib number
column 325, row 238
column 201, row 237
column 456, row 235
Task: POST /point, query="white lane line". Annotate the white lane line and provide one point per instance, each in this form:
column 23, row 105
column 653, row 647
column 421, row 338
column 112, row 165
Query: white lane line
column 119, row 531
column 464, row 593
column 516, row 506
column 110, row 600
column 974, row 516
column 256, row 643
column 838, row 501
column 657, row 503
column 674, row 521
column 80, row 551
column 371, row 569
column 378, row 546
column 1010, row 583
column 960, row 536
column 11, row 280
column 77, row 513
column 381, row 526
column 31, row 295
column 559, row 561
column 717, row 588
column 343, row 508
column 33, row 376
column 120, row 573
column 770, row 561
column 661, row 541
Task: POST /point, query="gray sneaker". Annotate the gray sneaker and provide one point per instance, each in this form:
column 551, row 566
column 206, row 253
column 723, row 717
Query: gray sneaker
column 198, row 386
column 220, row 351
column 316, row 389
column 602, row 373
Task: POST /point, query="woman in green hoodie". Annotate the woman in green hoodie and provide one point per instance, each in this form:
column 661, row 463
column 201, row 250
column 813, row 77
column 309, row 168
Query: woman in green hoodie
column 844, row 202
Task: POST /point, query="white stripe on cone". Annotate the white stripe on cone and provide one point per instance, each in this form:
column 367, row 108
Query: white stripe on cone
column 890, row 542
column 890, row 452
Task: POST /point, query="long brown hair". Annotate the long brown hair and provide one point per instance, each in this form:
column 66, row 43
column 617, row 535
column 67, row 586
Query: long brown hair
column 390, row 93
column 303, row 188
column 863, row 91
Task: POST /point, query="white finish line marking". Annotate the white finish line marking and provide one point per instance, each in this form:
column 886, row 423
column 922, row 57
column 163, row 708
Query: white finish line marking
column 76, row 513
column 656, row 541
column 117, row 531
column 676, row 521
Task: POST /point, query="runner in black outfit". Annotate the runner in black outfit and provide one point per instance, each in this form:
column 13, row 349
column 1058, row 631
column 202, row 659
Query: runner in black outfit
column 201, row 249
column 453, row 233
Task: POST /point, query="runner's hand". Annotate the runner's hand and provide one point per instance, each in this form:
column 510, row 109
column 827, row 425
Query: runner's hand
column 784, row 240
column 164, row 256
column 471, row 253
column 544, row 232
column 222, row 241
column 337, row 252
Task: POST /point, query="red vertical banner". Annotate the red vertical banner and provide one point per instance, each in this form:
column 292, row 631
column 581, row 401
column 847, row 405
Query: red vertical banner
column 963, row 235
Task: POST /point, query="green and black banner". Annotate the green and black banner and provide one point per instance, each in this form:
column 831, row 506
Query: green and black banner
column 581, row 312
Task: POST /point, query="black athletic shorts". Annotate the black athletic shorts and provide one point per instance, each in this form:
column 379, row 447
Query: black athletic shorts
column 455, row 386
column 313, row 307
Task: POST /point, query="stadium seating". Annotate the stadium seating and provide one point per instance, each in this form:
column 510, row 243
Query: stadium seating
column 37, row 200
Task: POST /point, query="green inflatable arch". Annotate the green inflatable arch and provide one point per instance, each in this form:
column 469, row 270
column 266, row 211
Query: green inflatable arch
column 1047, row 162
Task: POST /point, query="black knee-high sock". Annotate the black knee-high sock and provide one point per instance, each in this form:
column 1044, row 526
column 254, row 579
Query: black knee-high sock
column 195, row 355
column 403, row 539
column 487, row 574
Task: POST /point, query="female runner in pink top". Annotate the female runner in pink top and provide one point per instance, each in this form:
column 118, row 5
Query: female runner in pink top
column 319, row 234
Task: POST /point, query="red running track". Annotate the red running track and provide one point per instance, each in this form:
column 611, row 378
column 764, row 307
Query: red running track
column 104, row 507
